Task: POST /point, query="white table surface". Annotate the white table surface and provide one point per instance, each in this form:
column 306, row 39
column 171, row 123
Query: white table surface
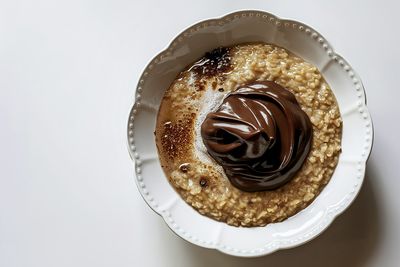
column 68, row 70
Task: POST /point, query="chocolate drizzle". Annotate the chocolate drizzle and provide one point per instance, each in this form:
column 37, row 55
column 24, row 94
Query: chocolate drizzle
column 259, row 135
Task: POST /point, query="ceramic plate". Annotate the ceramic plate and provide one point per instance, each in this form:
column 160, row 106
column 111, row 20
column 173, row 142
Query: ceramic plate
column 240, row 27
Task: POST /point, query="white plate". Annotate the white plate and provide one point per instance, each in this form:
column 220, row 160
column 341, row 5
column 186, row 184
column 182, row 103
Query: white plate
column 239, row 27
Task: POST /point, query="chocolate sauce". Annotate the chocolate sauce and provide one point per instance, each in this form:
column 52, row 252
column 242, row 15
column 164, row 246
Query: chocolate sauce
column 218, row 61
column 259, row 135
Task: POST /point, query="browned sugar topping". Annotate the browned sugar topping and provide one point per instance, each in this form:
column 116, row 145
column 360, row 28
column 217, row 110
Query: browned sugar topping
column 177, row 137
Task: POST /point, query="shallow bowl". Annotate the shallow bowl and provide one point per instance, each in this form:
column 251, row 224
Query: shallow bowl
column 234, row 28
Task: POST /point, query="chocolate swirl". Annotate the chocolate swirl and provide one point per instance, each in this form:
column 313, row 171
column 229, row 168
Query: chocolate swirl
column 259, row 135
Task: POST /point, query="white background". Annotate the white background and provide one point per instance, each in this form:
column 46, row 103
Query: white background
column 68, row 70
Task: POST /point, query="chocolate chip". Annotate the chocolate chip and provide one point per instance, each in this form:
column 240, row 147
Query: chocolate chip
column 203, row 182
column 184, row 167
column 221, row 89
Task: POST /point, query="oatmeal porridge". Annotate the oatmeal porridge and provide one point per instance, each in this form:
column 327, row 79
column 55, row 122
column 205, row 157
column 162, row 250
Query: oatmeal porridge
column 249, row 134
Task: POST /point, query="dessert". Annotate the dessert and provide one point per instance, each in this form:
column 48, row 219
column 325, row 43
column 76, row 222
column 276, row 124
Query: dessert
column 249, row 134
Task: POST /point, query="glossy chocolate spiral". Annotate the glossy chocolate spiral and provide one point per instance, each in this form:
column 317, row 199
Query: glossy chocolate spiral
column 259, row 135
